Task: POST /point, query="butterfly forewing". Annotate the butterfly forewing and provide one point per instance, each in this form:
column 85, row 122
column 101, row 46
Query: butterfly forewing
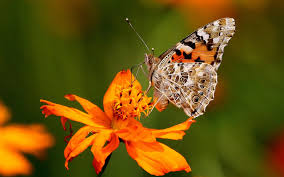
column 205, row 45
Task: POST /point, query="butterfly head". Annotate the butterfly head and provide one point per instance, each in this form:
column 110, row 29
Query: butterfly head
column 151, row 61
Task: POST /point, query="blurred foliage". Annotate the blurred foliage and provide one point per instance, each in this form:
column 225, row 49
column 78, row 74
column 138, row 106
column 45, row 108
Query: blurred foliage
column 50, row 48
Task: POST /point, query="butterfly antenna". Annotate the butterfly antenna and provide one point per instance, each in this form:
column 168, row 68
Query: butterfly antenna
column 127, row 20
column 153, row 51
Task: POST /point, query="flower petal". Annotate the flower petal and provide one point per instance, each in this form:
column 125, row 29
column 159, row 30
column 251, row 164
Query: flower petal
column 175, row 132
column 90, row 108
column 79, row 148
column 26, row 138
column 122, row 79
column 134, row 131
column 13, row 163
column 76, row 139
column 4, row 113
column 156, row 158
column 100, row 151
column 74, row 114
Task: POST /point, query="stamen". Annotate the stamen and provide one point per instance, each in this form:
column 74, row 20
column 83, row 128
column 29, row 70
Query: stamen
column 131, row 102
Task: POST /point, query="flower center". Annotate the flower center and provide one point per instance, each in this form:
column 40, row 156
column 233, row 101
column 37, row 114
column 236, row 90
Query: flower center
column 130, row 102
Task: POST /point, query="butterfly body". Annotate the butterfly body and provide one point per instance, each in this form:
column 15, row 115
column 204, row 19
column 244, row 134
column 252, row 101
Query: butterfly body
column 186, row 74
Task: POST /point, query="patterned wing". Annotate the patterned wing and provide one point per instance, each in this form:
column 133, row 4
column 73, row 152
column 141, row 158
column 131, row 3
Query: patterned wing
column 205, row 45
column 190, row 86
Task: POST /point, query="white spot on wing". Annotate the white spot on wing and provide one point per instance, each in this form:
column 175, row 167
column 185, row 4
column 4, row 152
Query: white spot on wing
column 216, row 23
column 202, row 33
column 186, row 48
column 226, row 39
column 214, row 28
column 221, row 47
column 216, row 40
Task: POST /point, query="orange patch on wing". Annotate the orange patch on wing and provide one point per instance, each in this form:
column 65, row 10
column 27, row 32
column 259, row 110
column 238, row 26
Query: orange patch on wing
column 199, row 54
column 182, row 58
column 203, row 53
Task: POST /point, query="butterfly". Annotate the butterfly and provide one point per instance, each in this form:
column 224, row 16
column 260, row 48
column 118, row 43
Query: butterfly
column 186, row 74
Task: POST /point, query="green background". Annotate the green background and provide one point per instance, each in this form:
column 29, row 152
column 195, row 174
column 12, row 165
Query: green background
column 49, row 48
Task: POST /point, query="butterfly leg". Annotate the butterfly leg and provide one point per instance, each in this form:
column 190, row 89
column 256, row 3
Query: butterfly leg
column 149, row 87
column 161, row 101
column 155, row 104
column 139, row 66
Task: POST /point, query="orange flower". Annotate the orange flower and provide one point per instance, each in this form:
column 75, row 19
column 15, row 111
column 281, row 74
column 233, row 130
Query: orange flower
column 103, row 131
column 18, row 139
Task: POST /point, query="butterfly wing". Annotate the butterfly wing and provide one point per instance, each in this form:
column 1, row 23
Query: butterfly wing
column 186, row 75
column 190, row 86
column 205, row 45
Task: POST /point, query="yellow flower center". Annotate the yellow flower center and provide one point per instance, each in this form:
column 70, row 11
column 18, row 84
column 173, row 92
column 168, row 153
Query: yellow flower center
column 130, row 102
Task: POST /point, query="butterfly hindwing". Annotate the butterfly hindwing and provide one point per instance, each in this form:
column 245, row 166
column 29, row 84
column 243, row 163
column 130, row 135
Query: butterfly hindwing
column 189, row 86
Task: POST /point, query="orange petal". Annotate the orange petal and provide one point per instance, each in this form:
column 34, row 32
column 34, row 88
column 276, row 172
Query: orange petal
column 100, row 151
column 136, row 132
column 13, row 163
column 90, row 108
column 122, row 79
column 4, row 113
column 76, row 139
column 83, row 145
column 74, row 114
column 175, row 132
column 156, row 158
column 26, row 138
